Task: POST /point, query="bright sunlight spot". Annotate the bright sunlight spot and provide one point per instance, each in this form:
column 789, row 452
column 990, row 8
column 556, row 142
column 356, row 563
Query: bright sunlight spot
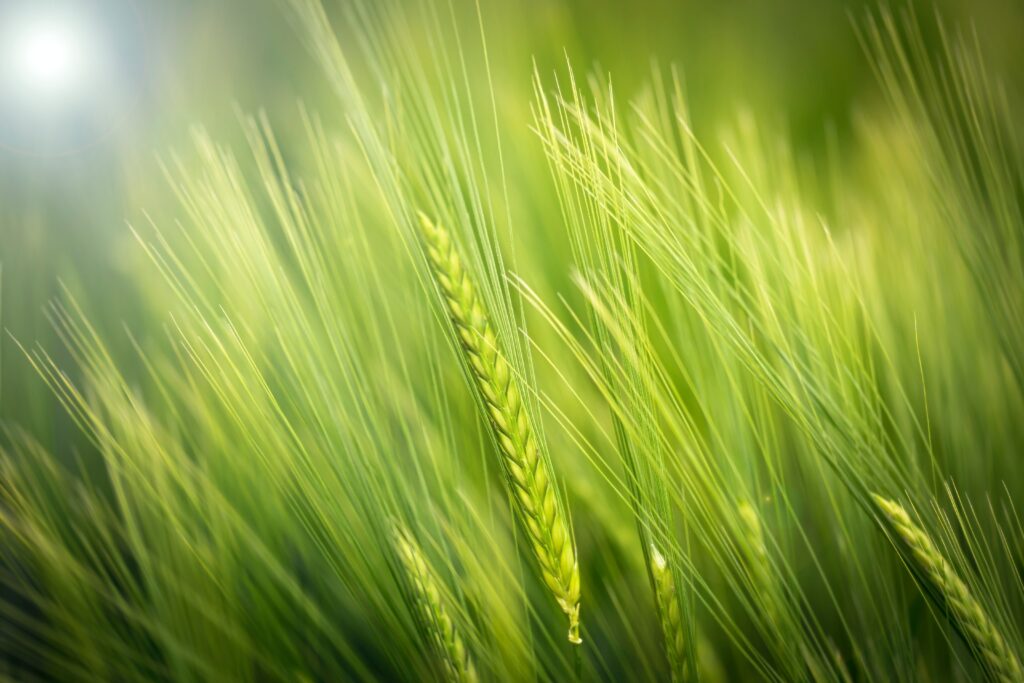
column 68, row 72
column 48, row 57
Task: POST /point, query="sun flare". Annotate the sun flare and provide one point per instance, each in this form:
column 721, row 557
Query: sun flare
column 47, row 56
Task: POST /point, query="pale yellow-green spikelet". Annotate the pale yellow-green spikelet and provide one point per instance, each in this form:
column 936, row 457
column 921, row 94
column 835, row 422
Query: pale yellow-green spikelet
column 758, row 562
column 425, row 585
column 671, row 616
column 531, row 486
column 996, row 656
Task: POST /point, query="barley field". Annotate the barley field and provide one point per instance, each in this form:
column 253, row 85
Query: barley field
column 464, row 340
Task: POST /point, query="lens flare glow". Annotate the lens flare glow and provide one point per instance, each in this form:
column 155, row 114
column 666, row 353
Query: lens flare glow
column 69, row 72
column 46, row 57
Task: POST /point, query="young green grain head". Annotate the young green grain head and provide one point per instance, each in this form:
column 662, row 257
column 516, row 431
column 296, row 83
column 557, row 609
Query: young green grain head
column 993, row 652
column 531, row 485
column 670, row 614
column 758, row 562
column 425, row 586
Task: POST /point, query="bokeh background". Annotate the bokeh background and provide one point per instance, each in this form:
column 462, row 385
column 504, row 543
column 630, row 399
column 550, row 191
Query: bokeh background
column 64, row 218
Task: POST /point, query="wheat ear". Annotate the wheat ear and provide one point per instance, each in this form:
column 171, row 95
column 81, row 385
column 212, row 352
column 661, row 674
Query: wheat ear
column 532, row 489
column 987, row 643
column 670, row 613
column 427, row 594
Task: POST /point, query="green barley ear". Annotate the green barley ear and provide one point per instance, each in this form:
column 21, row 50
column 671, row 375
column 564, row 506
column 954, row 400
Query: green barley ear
column 753, row 532
column 987, row 643
column 758, row 562
column 428, row 597
column 531, row 486
column 670, row 614
column 766, row 586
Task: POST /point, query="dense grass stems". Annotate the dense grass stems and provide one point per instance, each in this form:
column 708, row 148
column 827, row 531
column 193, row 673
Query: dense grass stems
column 429, row 599
column 532, row 486
column 717, row 333
column 996, row 656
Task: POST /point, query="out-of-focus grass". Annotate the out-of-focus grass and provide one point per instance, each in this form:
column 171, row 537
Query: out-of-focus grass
column 741, row 298
column 796, row 63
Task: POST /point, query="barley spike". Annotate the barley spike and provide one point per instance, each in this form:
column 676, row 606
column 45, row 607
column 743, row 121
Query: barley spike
column 996, row 656
column 758, row 562
column 531, row 486
column 423, row 580
column 670, row 614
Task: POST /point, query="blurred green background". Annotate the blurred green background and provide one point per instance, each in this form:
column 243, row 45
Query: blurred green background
column 65, row 218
